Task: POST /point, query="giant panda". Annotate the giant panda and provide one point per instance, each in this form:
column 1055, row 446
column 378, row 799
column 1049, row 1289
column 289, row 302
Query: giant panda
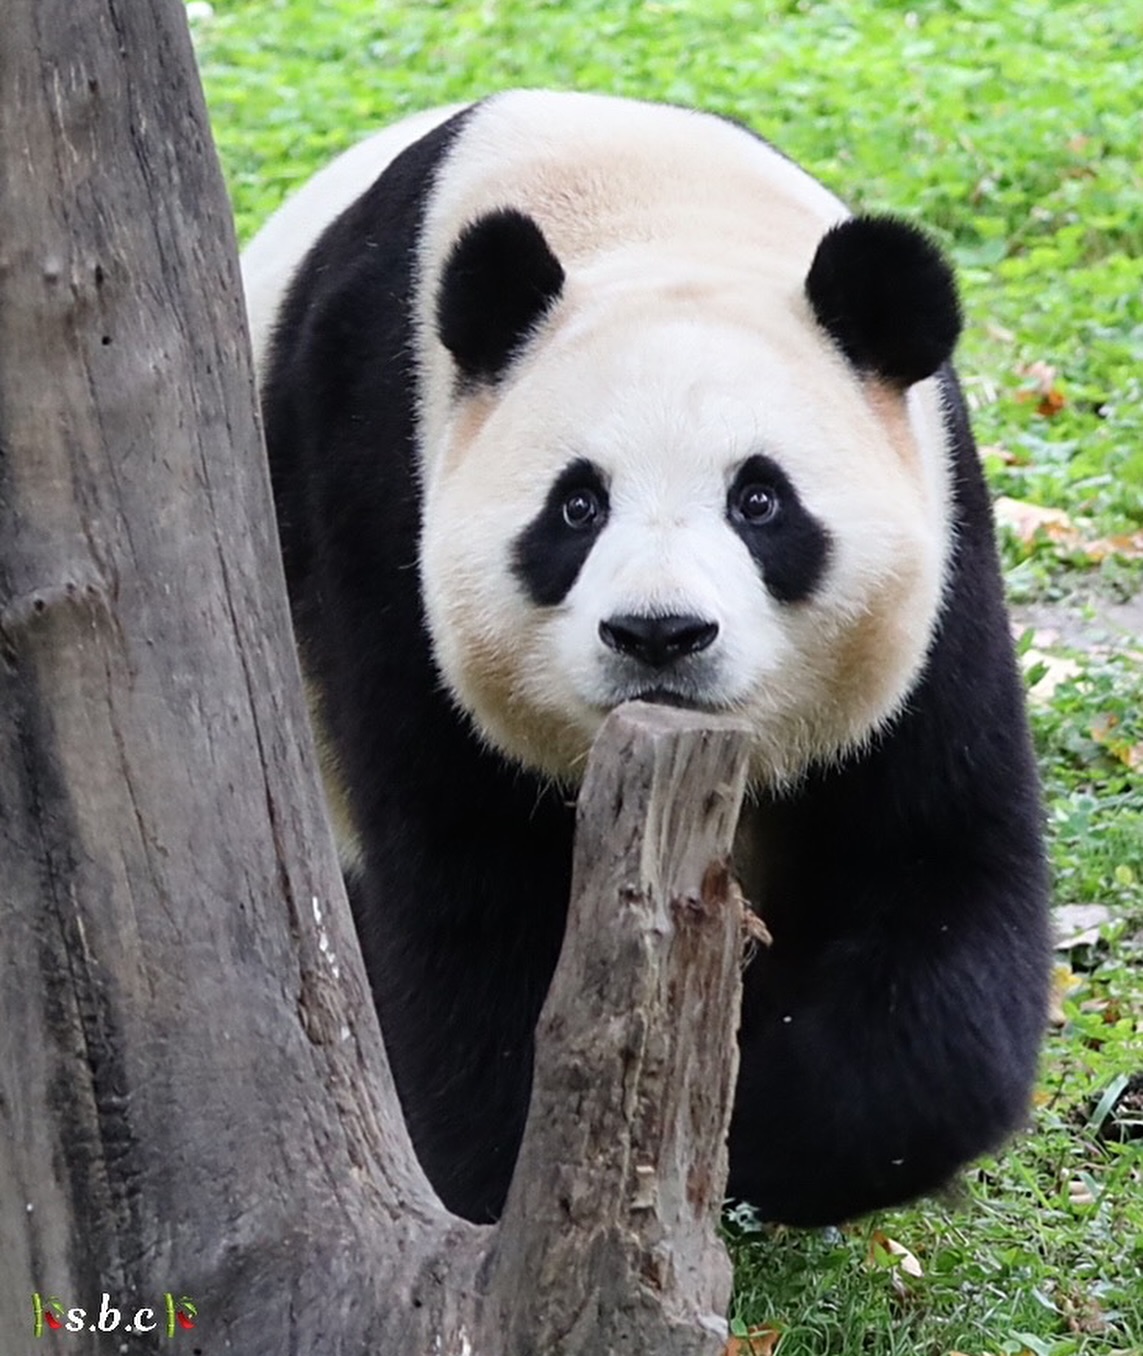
column 572, row 400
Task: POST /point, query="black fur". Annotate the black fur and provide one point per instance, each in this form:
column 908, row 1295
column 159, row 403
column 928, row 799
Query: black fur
column 882, row 290
column 549, row 554
column 499, row 282
column 792, row 550
column 891, row 1032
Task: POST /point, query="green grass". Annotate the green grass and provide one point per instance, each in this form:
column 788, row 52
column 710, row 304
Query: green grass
column 1013, row 130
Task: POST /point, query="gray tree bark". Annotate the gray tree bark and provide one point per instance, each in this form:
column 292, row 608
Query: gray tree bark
column 194, row 1097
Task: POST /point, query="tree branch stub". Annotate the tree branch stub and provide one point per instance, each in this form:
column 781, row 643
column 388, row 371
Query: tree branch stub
column 609, row 1229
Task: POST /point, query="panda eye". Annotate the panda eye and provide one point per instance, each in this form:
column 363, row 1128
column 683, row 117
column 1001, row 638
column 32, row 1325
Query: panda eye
column 755, row 504
column 581, row 509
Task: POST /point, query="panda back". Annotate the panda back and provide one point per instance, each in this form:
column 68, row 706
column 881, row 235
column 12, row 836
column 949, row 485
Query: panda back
column 272, row 258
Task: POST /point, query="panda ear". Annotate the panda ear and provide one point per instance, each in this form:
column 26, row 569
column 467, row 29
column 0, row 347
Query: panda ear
column 499, row 281
column 885, row 294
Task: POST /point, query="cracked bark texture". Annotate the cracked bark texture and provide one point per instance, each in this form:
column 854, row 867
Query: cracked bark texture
column 194, row 1096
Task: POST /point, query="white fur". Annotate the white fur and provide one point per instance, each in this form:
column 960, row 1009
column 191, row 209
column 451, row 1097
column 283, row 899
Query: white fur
column 682, row 345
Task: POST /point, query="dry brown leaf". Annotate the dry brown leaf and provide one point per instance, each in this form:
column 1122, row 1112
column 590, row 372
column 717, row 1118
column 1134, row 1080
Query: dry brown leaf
column 1041, row 386
column 999, row 332
column 903, row 1259
column 906, row 1260
column 1078, row 924
column 1103, row 731
column 1129, row 547
column 760, row 1340
column 1003, row 454
column 1040, row 376
column 1064, row 981
column 1079, row 1193
column 1051, row 403
column 1103, row 727
column 1083, row 1313
column 1027, row 521
column 1055, row 669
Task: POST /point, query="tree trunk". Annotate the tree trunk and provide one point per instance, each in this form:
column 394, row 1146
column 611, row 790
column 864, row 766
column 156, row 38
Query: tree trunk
column 194, row 1095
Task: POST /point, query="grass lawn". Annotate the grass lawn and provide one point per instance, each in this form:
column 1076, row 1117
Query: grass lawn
column 1013, row 130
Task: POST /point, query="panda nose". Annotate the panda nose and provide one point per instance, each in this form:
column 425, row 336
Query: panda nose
column 657, row 641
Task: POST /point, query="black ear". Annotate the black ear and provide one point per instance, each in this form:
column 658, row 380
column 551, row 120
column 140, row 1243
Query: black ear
column 884, row 292
column 499, row 280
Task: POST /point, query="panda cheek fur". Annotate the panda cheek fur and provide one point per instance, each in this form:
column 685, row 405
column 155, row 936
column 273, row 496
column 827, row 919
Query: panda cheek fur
column 861, row 691
column 530, row 730
column 517, row 699
column 892, row 413
column 468, row 421
column 859, row 694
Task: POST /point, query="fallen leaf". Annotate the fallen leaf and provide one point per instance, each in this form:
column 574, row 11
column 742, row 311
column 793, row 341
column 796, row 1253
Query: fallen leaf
column 1003, row 454
column 1103, row 731
column 1053, row 669
column 1083, row 1314
column 1041, row 376
column 1027, row 521
column 1041, row 386
column 1127, row 547
column 1078, row 924
column 901, row 1258
column 760, row 1340
column 1063, row 983
column 906, row 1260
column 1079, row 1193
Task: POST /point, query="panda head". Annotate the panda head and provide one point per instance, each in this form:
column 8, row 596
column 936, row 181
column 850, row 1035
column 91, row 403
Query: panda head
column 714, row 483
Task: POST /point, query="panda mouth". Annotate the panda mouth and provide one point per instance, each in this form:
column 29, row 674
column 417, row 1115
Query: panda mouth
column 665, row 696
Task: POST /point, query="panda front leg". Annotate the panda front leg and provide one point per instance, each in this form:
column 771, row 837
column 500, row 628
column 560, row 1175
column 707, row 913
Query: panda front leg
column 890, row 1033
column 460, row 910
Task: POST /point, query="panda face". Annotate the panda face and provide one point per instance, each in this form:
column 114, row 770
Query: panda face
column 666, row 497
column 685, row 447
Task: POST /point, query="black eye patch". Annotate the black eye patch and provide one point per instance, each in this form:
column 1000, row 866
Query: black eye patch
column 549, row 554
column 788, row 543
